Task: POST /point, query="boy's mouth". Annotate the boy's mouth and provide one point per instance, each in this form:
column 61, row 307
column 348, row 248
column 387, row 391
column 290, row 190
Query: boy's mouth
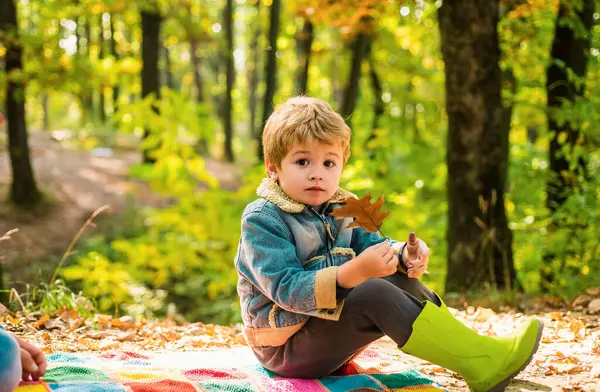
column 315, row 188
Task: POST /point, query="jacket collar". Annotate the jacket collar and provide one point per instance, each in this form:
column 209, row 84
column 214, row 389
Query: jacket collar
column 270, row 190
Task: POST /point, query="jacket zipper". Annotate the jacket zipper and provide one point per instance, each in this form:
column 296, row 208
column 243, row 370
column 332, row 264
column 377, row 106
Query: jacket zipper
column 327, row 230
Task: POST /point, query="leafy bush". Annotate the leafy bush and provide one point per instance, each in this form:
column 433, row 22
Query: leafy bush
column 184, row 256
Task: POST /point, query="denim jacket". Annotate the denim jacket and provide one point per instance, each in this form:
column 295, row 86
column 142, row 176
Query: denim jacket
column 287, row 263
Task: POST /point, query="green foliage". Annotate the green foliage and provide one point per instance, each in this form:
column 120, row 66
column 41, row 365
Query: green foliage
column 50, row 299
column 413, row 195
column 573, row 233
column 184, row 256
column 106, row 282
column 180, row 257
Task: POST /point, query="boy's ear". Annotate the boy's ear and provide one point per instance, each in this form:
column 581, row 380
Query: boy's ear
column 271, row 170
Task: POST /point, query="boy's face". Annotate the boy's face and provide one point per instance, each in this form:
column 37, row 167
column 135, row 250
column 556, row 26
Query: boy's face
column 310, row 172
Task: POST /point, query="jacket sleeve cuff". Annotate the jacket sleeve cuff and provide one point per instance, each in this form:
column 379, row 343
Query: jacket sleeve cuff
column 398, row 248
column 342, row 292
column 325, row 288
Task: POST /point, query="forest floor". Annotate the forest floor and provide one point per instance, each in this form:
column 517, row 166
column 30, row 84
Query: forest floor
column 568, row 358
column 82, row 181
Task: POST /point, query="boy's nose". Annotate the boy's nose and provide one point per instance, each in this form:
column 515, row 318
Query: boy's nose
column 315, row 176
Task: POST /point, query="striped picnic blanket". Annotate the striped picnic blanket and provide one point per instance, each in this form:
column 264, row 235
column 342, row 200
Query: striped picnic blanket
column 231, row 370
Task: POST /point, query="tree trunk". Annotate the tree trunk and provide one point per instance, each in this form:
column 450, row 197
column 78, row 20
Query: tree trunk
column 216, row 64
column 271, row 69
column 510, row 82
column 360, row 51
column 85, row 97
column 115, row 54
column 45, row 118
column 479, row 240
column 23, row 191
column 100, row 57
column 168, row 69
column 253, row 74
column 378, row 110
column 532, row 134
column 379, row 105
column 230, row 76
column 87, row 26
column 202, row 146
column 304, row 40
column 569, row 48
column 77, row 35
column 150, row 52
column 197, row 64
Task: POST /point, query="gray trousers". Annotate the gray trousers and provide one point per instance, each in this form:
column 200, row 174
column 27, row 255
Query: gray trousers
column 377, row 307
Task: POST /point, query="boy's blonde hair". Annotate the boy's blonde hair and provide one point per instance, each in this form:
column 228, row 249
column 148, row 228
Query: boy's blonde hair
column 300, row 120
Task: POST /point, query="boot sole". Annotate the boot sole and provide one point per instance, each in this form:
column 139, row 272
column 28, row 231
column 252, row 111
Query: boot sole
column 504, row 383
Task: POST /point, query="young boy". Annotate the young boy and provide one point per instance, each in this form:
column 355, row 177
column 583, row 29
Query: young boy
column 18, row 360
column 314, row 293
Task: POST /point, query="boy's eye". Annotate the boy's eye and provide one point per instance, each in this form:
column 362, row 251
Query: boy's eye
column 329, row 163
column 302, row 162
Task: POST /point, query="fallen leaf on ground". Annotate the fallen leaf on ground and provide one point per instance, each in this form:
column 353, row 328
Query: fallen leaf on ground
column 41, row 321
column 595, row 372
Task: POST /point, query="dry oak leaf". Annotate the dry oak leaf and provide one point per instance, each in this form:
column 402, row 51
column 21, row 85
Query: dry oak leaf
column 41, row 321
column 366, row 215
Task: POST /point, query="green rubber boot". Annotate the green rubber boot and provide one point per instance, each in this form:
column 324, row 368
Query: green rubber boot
column 486, row 363
column 443, row 304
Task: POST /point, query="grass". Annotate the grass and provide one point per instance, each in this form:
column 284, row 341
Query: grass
column 54, row 296
column 49, row 299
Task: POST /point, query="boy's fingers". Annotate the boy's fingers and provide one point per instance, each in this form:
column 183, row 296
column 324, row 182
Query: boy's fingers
column 383, row 251
column 384, row 245
column 415, row 272
column 43, row 366
column 36, row 355
column 424, row 249
column 40, row 360
column 28, row 363
column 389, row 255
column 412, row 246
column 392, row 265
column 379, row 245
column 412, row 238
column 418, row 263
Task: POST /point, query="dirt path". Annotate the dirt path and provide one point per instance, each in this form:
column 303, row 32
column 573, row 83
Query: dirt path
column 80, row 182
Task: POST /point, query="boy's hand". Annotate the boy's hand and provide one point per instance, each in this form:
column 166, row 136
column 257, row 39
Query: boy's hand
column 415, row 256
column 379, row 260
column 33, row 361
column 376, row 261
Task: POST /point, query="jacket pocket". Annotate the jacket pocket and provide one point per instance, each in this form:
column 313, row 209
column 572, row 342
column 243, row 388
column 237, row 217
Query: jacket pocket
column 273, row 316
column 340, row 255
column 315, row 263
